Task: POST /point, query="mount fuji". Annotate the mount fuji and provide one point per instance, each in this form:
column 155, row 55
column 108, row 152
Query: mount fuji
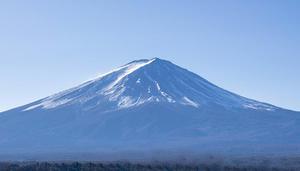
column 145, row 105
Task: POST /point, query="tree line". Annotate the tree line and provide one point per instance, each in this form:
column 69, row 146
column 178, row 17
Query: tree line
column 123, row 166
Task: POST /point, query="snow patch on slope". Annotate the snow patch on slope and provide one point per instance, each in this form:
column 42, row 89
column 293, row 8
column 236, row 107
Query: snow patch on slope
column 187, row 101
column 138, row 81
column 49, row 104
column 259, row 106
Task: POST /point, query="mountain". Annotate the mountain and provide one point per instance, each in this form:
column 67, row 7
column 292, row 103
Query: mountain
column 149, row 105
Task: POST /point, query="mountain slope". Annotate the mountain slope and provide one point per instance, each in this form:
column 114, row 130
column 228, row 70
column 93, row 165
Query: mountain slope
column 149, row 104
column 147, row 81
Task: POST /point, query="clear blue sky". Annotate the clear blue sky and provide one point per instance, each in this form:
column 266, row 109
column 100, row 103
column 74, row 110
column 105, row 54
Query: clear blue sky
column 249, row 47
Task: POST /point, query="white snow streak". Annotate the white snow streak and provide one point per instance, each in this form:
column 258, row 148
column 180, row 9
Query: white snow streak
column 48, row 104
column 129, row 69
column 188, row 101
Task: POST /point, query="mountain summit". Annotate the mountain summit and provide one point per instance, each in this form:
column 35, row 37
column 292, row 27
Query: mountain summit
column 144, row 82
column 148, row 104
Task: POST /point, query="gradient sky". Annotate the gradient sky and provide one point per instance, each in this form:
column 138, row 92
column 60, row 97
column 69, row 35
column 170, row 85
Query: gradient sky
column 248, row 47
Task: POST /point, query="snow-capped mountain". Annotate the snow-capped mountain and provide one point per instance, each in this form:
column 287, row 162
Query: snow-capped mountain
column 149, row 104
column 147, row 81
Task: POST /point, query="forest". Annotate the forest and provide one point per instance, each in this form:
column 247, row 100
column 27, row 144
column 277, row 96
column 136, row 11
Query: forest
column 127, row 166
